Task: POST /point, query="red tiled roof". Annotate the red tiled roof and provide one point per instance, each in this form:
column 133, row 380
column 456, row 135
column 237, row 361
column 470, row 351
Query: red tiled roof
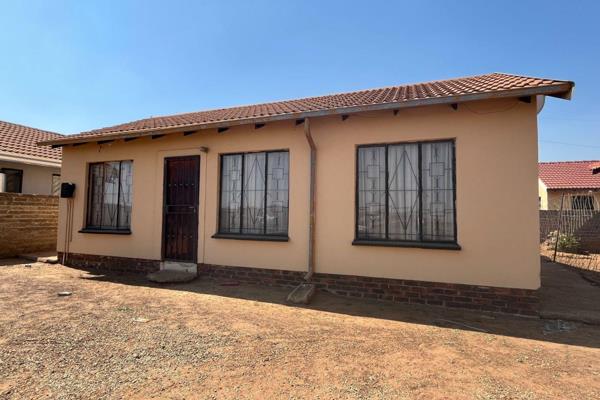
column 436, row 92
column 595, row 168
column 20, row 140
column 569, row 175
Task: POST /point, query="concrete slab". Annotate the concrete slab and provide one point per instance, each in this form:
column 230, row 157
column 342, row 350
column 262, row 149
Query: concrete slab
column 170, row 276
column 179, row 266
column 48, row 257
column 302, row 294
column 566, row 295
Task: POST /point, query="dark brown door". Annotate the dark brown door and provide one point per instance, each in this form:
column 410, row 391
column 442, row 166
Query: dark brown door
column 180, row 209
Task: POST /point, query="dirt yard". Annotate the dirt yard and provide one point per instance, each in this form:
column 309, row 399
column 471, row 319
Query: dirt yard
column 119, row 337
column 586, row 262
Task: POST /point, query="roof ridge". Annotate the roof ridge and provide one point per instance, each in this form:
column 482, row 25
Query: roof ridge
column 435, row 92
column 323, row 95
column 531, row 77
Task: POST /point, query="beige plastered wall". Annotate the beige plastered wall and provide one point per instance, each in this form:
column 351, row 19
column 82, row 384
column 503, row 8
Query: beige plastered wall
column 543, row 195
column 497, row 203
column 36, row 179
column 555, row 195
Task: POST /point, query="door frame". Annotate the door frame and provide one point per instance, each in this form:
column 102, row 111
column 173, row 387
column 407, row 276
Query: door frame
column 164, row 208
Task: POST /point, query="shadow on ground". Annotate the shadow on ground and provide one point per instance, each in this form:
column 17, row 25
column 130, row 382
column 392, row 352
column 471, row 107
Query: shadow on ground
column 559, row 327
column 8, row 262
column 570, row 293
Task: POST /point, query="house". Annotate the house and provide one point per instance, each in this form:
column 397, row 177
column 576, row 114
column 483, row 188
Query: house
column 572, row 183
column 422, row 193
column 24, row 166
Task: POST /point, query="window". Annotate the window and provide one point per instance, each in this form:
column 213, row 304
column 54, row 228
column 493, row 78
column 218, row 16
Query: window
column 406, row 193
column 109, row 196
column 254, row 194
column 55, row 189
column 582, row 202
column 13, row 180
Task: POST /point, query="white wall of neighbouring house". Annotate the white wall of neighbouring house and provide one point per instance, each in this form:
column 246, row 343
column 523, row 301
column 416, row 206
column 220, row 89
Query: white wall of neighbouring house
column 36, row 179
column 543, row 195
column 496, row 194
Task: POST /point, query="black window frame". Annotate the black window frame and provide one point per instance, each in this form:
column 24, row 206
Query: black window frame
column 247, row 236
column 19, row 174
column 88, row 228
column 429, row 244
column 582, row 201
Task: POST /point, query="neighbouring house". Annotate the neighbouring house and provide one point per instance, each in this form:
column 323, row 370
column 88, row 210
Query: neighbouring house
column 24, row 166
column 570, row 183
column 422, row 193
column 29, row 183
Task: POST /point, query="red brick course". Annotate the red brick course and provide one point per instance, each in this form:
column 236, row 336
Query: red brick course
column 110, row 263
column 472, row 297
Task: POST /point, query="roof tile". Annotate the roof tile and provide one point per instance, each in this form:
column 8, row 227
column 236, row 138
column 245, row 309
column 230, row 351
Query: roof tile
column 482, row 84
column 569, row 174
column 22, row 140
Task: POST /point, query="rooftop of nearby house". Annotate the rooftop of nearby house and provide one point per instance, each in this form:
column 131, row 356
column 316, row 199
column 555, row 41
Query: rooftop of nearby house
column 452, row 91
column 570, row 174
column 19, row 141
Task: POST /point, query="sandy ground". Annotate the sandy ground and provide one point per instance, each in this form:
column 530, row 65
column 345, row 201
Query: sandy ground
column 119, row 337
column 587, row 262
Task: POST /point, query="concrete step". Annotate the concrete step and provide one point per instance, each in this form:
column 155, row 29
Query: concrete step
column 179, row 266
column 170, row 276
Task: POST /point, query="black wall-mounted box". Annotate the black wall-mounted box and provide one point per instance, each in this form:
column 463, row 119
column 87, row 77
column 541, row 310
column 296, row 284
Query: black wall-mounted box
column 67, row 189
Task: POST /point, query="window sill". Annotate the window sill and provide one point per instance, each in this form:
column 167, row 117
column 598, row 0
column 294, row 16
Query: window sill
column 264, row 238
column 420, row 245
column 106, row 231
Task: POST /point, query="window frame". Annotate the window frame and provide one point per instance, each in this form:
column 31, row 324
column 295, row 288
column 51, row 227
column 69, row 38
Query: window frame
column 577, row 199
column 251, row 236
column 53, row 193
column 428, row 244
column 92, row 228
column 19, row 173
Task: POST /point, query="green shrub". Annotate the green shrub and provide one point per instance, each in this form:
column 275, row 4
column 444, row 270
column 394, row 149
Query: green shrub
column 567, row 242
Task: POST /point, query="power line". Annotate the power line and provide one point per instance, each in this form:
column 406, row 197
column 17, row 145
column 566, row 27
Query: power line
column 570, row 144
column 570, row 119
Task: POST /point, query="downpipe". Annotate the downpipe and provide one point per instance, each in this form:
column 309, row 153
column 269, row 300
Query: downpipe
column 312, row 193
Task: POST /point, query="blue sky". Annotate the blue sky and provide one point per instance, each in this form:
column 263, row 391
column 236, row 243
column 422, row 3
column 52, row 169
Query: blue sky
column 70, row 66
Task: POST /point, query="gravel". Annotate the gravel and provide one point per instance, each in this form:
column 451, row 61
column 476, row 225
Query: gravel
column 98, row 356
column 122, row 337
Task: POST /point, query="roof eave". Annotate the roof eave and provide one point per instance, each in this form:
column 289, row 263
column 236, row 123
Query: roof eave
column 566, row 95
column 574, row 188
column 30, row 160
column 562, row 90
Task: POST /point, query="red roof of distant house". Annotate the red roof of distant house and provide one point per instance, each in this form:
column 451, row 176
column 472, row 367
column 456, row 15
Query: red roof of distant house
column 570, row 174
column 19, row 140
column 436, row 92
